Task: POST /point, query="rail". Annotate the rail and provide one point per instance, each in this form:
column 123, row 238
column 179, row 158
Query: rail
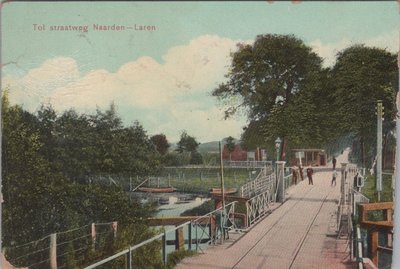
column 248, row 164
column 258, row 206
column 263, row 182
column 227, row 222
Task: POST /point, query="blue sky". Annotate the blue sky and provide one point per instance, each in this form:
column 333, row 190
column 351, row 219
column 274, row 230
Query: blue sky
column 163, row 78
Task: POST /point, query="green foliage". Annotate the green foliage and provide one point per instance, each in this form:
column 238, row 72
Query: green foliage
column 187, row 143
column 196, row 158
column 361, row 76
column 369, row 189
column 44, row 158
column 286, row 93
column 175, row 257
column 268, row 78
column 200, row 210
column 161, row 143
column 187, row 147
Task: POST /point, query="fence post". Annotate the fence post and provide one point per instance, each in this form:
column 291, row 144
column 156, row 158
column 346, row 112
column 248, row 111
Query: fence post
column 197, row 239
column 129, row 259
column 53, row 251
column 190, row 235
column 164, row 248
column 93, row 231
column 342, row 183
column 114, row 227
column 280, row 168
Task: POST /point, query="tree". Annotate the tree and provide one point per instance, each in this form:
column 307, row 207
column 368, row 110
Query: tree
column 361, row 76
column 230, row 145
column 39, row 201
column 161, row 143
column 187, row 143
column 265, row 78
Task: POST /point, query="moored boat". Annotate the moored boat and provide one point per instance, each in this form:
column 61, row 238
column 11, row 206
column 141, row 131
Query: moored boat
column 157, row 190
column 226, row 190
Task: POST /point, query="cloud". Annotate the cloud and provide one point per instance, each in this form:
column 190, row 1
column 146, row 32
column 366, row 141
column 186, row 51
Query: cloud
column 165, row 97
column 39, row 83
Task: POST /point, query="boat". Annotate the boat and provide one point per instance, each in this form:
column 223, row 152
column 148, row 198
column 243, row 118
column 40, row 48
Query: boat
column 157, row 190
column 163, row 201
column 184, row 200
column 217, row 191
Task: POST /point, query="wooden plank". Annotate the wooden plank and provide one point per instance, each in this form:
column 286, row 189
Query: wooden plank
column 164, row 221
column 374, row 247
column 229, row 198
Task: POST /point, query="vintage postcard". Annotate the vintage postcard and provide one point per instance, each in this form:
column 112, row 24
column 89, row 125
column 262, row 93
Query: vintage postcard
column 196, row 134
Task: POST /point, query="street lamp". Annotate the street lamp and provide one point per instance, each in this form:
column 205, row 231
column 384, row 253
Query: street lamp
column 277, row 146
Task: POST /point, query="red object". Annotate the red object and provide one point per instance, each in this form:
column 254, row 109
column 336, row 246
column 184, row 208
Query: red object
column 157, row 190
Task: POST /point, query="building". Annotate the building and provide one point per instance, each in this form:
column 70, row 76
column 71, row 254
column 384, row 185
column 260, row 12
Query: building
column 238, row 154
column 313, row 157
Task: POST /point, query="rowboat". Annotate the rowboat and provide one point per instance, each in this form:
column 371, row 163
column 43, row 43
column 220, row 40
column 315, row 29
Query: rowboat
column 226, row 190
column 157, row 190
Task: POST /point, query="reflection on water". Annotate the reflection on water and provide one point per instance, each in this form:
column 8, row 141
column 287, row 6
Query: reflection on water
column 171, row 204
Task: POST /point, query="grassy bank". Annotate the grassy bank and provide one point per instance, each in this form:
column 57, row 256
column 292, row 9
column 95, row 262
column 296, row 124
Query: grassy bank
column 369, row 189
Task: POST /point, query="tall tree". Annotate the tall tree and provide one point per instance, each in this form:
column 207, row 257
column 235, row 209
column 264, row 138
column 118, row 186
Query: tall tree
column 265, row 77
column 161, row 143
column 361, row 76
column 230, row 145
column 187, row 143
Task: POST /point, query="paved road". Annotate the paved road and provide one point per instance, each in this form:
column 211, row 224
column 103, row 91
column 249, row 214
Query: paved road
column 301, row 233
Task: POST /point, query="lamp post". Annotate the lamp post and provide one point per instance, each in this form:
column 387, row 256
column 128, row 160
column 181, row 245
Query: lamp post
column 278, row 147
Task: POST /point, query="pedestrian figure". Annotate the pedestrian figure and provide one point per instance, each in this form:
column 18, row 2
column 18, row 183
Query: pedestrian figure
column 334, row 176
column 220, row 221
column 294, row 175
column 301, row 173
column 310, row 172
column 334, row 163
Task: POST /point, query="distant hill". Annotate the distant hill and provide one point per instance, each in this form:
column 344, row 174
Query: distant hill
column 212, row 146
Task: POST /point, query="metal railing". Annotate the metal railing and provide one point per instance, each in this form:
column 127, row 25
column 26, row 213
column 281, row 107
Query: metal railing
column 215, row 225
column 247, row 164
column 224, row 217
column 264, row 181
column 358, row 198
column 359, row 248
column 258, row 206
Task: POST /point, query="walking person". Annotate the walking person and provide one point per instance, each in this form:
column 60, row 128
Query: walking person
column 294, row 175
column 334, row 163
column 310, row 173
column 301, row 172
column 334, row 176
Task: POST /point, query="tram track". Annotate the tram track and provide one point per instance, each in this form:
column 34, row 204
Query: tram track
column 298, row 248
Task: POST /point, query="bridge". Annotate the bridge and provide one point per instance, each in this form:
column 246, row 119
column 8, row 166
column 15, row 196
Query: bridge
column 300, row 233
column 304, row 226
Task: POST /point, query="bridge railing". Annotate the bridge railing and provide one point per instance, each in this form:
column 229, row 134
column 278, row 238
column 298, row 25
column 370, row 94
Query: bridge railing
column 248, row 164
column 258, row 206
column 264, row 181
column 200, row 233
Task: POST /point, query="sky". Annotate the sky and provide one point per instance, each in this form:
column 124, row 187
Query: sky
column 163, row 76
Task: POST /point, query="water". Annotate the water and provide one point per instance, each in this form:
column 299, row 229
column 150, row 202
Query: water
column 172, row 204
column 175, row 204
